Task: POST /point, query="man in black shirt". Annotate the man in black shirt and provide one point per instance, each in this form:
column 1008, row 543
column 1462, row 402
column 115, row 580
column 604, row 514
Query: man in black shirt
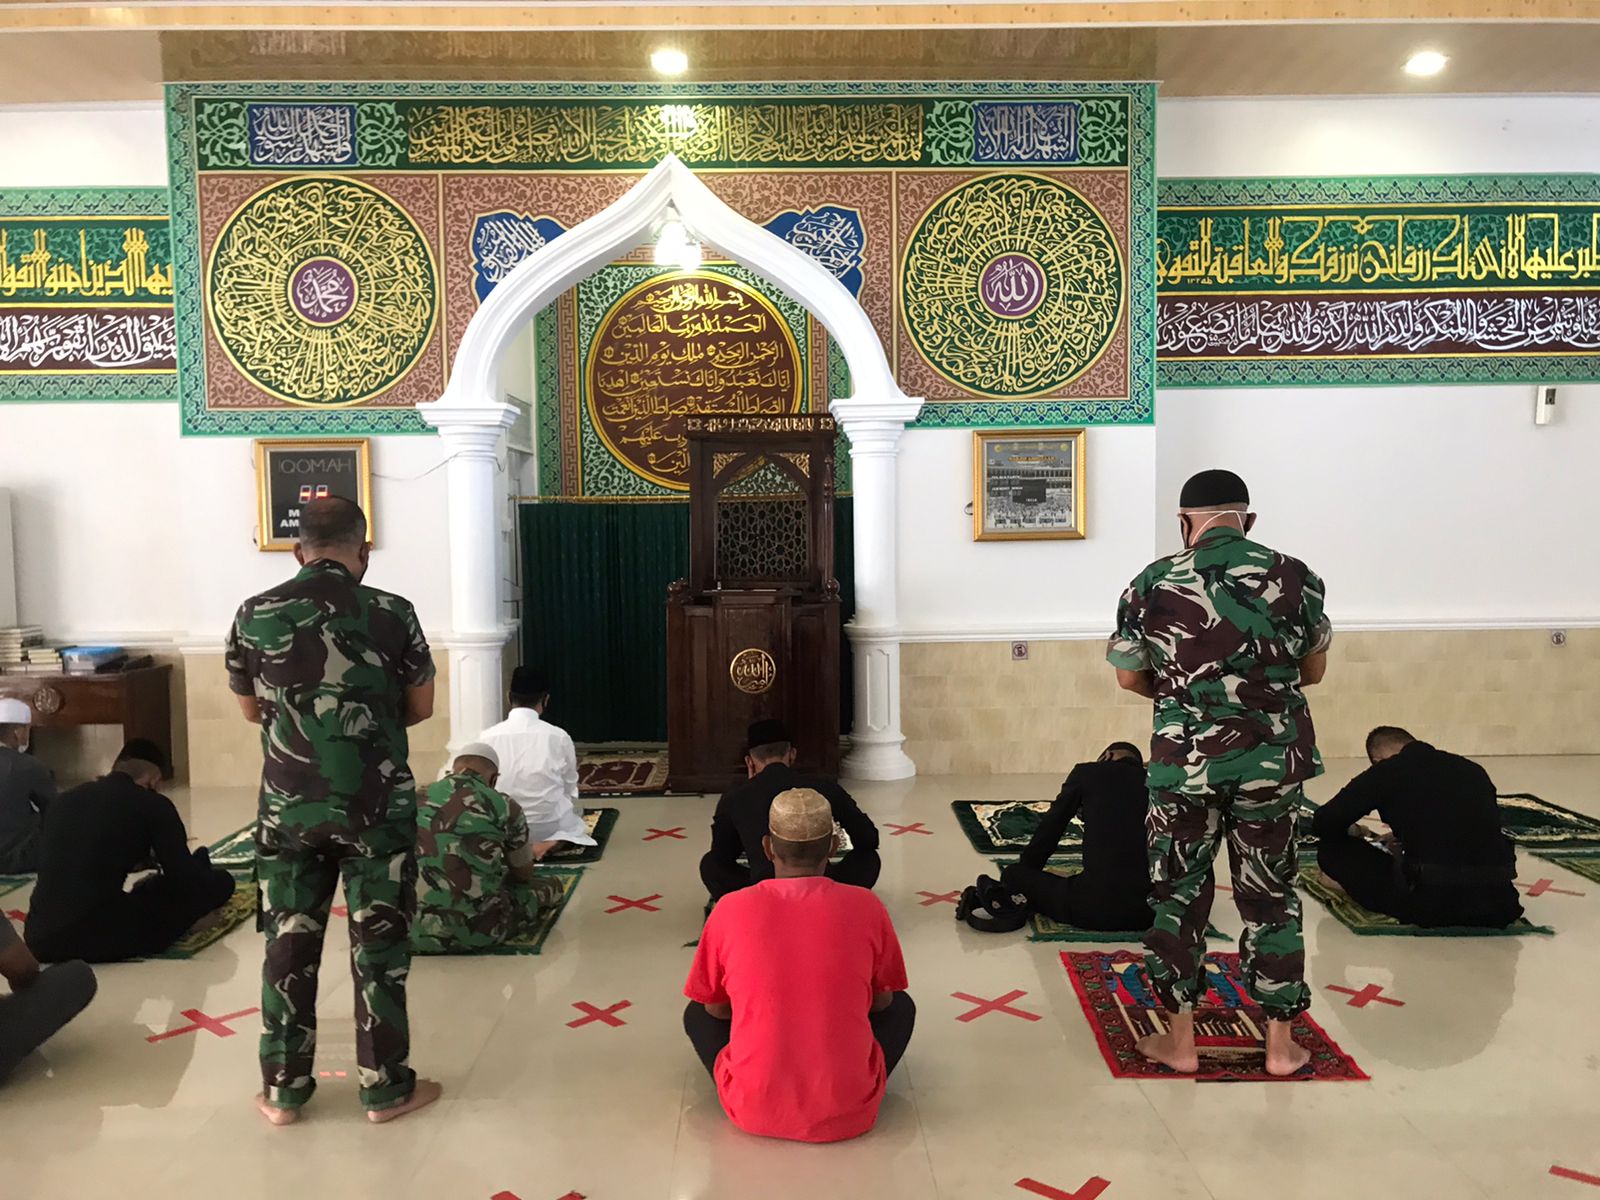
column 1447, row 861
column 96, row 835
column 26, row 789
column 1113, row 890
column 741, row 819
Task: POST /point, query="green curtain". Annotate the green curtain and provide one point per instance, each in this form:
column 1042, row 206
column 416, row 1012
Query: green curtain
column 595, row 580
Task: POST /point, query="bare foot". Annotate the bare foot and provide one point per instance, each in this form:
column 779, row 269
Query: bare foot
column 1164, row 1049
column 274, row 1114
column 423, row 1094
column 1285, row 1056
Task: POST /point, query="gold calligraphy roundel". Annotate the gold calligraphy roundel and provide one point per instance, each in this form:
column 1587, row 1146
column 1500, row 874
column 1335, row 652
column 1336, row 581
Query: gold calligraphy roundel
column 322, row 291
column 753, row 671
column 685, row 344
column 1012, row 285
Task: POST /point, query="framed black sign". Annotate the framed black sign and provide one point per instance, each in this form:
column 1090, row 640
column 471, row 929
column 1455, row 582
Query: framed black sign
column 289, row 474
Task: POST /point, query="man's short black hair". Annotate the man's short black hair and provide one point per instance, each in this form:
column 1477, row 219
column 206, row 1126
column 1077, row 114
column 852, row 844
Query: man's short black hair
column 810, row 854
column 1386, row 736
column 332, row 523
column 143, row 750
column 1127, row 748
column 529, row 687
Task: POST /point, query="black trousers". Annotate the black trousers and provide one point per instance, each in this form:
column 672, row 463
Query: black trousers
column 892, row 1027
column 29, row 1017
column 1082, row 901
column 859, row 867
column 157, row 912
column 1374, row 880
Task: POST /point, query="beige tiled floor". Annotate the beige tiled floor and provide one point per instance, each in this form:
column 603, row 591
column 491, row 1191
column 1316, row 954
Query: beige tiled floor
column 1487, row 1077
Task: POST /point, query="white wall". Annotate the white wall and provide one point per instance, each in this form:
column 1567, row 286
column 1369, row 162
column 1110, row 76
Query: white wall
column 1419, row 505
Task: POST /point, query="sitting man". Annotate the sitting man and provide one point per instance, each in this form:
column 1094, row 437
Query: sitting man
column 1447, row 862
column 26, row 789
column 40, row 1003
column 1113, row 890
column 475, row 882
column 797, row 994
column 739, row 825
column 539, row 766
column 97, row 834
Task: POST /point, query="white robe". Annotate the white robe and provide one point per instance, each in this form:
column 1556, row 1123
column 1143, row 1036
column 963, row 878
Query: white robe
column 539, row 770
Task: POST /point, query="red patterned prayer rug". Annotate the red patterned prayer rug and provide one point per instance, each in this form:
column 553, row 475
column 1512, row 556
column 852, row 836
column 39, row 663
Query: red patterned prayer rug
column 1230, row 1028
column 622, row 772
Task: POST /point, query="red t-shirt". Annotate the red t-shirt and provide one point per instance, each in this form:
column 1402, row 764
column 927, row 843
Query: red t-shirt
column 800, row 961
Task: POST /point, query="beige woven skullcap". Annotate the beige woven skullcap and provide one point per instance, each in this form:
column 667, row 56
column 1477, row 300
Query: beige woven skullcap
column 800, row 815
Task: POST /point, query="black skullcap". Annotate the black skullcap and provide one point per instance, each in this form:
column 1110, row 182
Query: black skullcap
column 767, row 732
column 145, row 751
column 530, row 682
column 1213, row 489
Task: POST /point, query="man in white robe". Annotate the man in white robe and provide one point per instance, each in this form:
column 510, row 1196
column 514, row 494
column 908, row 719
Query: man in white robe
column 539, row 766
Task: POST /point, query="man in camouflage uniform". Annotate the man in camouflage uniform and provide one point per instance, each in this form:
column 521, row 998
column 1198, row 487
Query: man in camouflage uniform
column 476, row 885
column 334, row 672
column 1222, row 636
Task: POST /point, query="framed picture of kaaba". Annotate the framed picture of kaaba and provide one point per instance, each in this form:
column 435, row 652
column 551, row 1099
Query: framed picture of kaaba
column 292, row 473
column 1027, row 484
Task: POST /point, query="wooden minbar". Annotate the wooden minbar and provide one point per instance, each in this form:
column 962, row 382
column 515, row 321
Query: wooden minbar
column 754, row 631
column 138, row 700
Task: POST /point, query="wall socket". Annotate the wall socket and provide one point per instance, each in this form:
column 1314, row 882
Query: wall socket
column 1019, row 651
column 1558, row 637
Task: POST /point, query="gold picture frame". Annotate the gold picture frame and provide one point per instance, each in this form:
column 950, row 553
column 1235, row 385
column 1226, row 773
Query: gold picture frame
column 1018, row 480
column 325, row 467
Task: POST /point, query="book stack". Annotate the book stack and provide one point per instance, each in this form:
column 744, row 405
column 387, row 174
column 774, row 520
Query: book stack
column 87, row 660
column 23, row 652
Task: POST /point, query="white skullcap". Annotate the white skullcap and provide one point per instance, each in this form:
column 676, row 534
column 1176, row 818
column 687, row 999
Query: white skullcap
column 480, row 750
column 15, row 712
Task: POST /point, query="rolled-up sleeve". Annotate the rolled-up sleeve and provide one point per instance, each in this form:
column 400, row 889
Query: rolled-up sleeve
column 1313, row 618
column 1127, row 649
column 237, row 662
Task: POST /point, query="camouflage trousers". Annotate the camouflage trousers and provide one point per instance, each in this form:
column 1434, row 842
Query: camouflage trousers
column 493, row 923
column 299, row 873
column 1184, row 833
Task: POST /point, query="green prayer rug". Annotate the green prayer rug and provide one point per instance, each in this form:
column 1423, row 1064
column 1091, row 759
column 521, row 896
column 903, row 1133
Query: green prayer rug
column 531, row 941
column 213, row 927
column 10, row 883
column 1002, row 827
column 600, row 822
column 236, row 853
column 1368, row 923
column 1044, row 929
column 1587, row 865
column 1540, row 825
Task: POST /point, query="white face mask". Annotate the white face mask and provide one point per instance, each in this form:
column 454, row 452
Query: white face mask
column 1206, row 524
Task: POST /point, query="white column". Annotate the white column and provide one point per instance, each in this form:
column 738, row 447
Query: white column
column 877, row 745
column 470, row 433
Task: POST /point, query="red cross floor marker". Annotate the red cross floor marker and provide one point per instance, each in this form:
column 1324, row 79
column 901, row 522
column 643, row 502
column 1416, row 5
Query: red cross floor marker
column 333, row 1074
column 340, row 910
column 16, row 914
column 216, row 1025
column 1365, row 996
column 599, row 1014
column 1540, row 887
column 514, row 1196
column 939, row 898
column 643, row 902
column 914, row 827
column 675, row 832
column 1088, row 1191
column 1575, row 1176
column 999, row 1004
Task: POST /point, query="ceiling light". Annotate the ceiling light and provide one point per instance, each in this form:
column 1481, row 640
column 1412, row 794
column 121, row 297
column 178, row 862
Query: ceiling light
column 1425, row 62
column 669, row 62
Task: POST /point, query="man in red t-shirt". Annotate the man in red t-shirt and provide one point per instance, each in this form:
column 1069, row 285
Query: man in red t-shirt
column 798, row 1003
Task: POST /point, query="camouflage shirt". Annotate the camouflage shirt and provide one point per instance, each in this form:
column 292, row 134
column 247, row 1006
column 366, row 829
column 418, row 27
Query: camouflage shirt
column 1223, row 626
column 329, row 661
column 469, row 836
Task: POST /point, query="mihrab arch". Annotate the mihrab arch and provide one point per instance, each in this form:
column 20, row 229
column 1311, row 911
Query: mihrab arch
column 470, row 418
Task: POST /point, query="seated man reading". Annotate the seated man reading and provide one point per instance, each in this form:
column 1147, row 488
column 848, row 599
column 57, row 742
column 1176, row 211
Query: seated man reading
column 1447, row 862
column 1113, row 890
column 95, row 836
column 539, row 766
column 26, row 789
column 475, row 882
column 740, row 823
column 797, row 994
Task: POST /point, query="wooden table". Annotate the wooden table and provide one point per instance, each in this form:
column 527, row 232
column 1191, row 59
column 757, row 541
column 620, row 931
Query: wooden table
column 139, row 700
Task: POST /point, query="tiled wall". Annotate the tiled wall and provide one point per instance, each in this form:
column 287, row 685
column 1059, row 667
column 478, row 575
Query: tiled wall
column 968, row 708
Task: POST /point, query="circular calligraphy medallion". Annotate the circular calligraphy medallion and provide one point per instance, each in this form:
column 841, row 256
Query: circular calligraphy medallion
column 1012, row 285
column 753, row 671
column 683, row 344
column 322, row 291
column 47, row 701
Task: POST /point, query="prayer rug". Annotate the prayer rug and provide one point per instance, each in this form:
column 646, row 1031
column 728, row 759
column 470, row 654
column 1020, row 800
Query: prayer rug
column 236, row 853
column 1540, row 825
column 1585, row 864
column 213, row 927
column 632, row 772
column 531, row 941
column 10, row 883
column 845, row 846
column 1047, row 930
column 1003, row 827
column 600, row 822
column 1230, row 1028
column 1368, row 923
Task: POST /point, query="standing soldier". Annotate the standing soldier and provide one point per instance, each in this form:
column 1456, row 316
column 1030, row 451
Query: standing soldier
column 1223, row 636
column 334, row 673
